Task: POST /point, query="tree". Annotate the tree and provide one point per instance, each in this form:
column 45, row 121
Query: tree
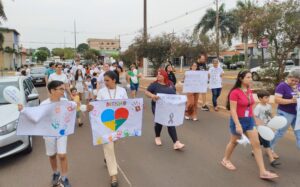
column 280, row 24
column 58, row 52
column 68, row 53
column 91, row 54
column 2, row 12
column 228, row 26
column 82, row 48
column 45, row 49
column 41, row 55
column 245, row 13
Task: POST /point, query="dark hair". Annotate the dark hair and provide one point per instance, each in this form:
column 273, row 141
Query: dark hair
column 88, row 77
column 262, row 93
column 94, row 74
column 72, row 89
column 51, row 64
column 26, row 66
column 77, row 74
column 193, row 64
column 53, row 85
column 111, row 75
column 23, row 72
column 58, row 64
column 166, row 68
column 242, row 74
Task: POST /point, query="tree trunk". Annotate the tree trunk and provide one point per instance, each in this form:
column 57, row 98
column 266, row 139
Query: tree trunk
column 247, row 64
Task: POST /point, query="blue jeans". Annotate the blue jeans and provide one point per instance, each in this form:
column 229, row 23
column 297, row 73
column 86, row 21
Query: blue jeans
column 291, row 118
column 216, row 92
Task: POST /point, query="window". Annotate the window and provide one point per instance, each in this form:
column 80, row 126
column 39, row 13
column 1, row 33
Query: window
column 27, row 90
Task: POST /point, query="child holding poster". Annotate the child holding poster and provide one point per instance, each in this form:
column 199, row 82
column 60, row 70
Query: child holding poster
column 76, row 98
column 165, row 86
column 56, row 146
column 215, row 74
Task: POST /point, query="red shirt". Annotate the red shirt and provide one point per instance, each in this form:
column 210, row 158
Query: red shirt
column 242, row 100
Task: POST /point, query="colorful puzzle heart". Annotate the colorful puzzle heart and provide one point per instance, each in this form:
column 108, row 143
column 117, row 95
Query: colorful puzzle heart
column 114, row 119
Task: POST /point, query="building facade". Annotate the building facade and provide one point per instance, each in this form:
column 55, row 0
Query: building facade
column 11, row 54
column 106, row 47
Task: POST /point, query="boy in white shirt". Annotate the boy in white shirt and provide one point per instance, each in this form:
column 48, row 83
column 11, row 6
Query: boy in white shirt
column 263, row 114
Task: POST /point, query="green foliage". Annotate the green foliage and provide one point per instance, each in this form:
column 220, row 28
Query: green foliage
column 82, row 48
column 45, row 49
column 58, row 52
column 228, row 26
column 235, row 58
column 91, row 54
column 41, row 55
column 68, row 53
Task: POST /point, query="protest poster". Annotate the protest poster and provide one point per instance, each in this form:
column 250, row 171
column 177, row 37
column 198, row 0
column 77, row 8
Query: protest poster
column 169, row 110
column 115, row 119
column 54, row 119
column 195, row 82
column 297, row 125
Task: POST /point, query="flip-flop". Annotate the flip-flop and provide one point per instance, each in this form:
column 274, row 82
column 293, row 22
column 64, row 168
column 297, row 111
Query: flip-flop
column 268, row 176
column 228, row 165
column 275, row 163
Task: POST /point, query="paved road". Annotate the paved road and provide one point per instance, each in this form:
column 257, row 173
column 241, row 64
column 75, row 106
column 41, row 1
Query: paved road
column 146, row 165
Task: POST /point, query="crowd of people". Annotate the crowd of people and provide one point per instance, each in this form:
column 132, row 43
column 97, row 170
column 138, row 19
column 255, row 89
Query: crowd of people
column 84, row 84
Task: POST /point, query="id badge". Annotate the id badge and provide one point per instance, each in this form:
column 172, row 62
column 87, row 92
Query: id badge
column 247, row 113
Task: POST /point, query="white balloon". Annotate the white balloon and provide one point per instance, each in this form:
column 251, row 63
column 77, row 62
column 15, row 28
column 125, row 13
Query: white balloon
column 277, row 122
column 83, row 108
column 266, row 132
column 12, row 95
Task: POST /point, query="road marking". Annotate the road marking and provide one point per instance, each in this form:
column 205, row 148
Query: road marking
column 124, row 175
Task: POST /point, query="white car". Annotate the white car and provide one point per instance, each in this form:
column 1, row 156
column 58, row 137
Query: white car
column 10, row 143
column 257, row 71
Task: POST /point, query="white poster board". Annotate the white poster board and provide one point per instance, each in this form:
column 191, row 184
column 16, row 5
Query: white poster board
column 115, row 119
column 169, row 110
column 297, row 125
column 55, row 119
column 195, row 82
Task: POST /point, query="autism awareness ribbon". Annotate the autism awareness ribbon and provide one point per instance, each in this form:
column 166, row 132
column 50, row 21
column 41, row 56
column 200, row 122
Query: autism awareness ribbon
column 171, row 116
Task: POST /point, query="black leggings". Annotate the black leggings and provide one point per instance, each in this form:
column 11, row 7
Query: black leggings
column 171, row 130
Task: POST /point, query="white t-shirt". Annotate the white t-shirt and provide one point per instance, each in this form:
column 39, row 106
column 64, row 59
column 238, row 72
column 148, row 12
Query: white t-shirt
column 215, row 80
column 263, row 112
column 107, row 94
column 74, row 69
column 62, row 77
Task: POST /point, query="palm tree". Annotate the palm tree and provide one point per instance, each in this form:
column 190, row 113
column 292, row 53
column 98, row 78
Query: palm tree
column 3, row 17
column 245, row 13
column 227, row 28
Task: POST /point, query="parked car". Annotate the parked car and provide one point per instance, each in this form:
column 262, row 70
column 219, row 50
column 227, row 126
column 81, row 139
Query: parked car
column 10, row 143
column 46, row 63
column 241, row 64
column 38, row 75
column 259, row 70
column 233, row 66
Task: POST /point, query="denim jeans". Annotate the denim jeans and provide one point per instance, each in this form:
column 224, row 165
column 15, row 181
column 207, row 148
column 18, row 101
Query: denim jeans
column 216, row 92
column 291, row 118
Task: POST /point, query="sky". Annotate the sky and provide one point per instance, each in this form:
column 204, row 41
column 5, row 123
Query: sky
column 50, row 23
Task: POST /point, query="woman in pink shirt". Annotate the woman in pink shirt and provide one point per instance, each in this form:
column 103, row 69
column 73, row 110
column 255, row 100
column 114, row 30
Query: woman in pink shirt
column 240, row 103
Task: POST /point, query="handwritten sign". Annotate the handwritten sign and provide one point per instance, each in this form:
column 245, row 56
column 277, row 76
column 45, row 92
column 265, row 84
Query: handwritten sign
column 195, row 82
column 169, row 110
column 297, row 126
column 112, row 120
column 55, row 119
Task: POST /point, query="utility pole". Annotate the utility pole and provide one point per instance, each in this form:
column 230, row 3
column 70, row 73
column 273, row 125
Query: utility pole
column 145, row 21
column 75, row 38
column 217, row 29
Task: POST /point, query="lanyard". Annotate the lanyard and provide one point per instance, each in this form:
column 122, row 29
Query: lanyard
column 248, row 97
column 110, row 93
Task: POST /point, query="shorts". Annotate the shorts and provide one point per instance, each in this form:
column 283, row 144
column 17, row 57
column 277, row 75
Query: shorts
column 264, row 143
column 56, row 145
column 134, row 87
column 247, row 123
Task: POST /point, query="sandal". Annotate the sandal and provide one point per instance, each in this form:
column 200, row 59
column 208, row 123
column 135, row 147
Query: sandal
column 114, row 183
column 275, row 163
column 158, row 141
column 228, row 165
column 268, row 175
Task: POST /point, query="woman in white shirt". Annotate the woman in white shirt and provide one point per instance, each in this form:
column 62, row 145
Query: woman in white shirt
column 79, row 83
column 109, row 92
